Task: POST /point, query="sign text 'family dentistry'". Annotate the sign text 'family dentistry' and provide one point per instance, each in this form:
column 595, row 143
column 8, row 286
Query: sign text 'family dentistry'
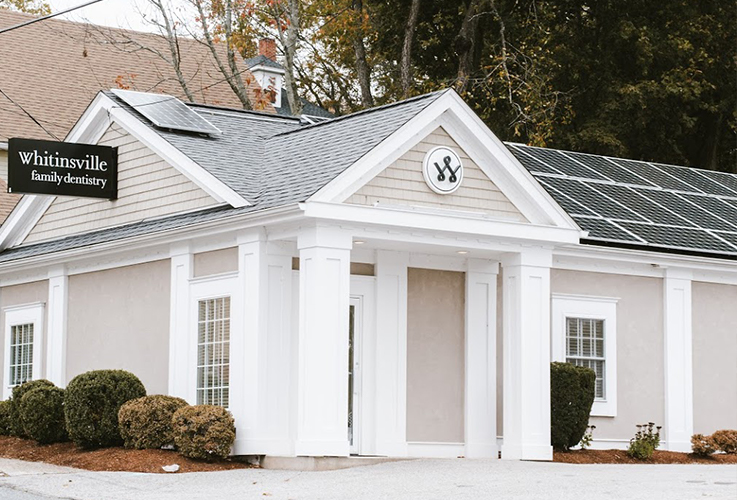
column 62, row 168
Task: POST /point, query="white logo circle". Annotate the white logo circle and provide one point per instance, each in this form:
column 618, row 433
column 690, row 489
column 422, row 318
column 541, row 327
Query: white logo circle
column 442, row 170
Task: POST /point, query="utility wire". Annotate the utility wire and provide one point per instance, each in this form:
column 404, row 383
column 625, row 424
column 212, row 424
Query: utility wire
column 70, row 9
column 29, row 115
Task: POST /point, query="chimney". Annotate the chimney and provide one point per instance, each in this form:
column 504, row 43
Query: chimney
column 267, row 48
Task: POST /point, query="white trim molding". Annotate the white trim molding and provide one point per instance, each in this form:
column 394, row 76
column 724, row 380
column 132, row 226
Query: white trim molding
column 435, row 450
column 57, row 327
column 678, row 327
column 22, row 315
column 589, row 307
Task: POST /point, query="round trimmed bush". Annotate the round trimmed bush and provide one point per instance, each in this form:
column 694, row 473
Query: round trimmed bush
column 147, row 422
column 702, row 446
column 203, row 431
column 571, row 396
column 92, row 402
column 18, row 392
column 6, row 423
column 725, row 440
column 42, row 414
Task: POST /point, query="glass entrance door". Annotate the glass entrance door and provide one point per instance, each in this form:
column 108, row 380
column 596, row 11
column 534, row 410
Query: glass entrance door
column 354, row 337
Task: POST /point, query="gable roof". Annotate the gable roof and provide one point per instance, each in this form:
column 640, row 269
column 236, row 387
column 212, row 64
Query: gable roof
column 262, row 60
column 637, row 204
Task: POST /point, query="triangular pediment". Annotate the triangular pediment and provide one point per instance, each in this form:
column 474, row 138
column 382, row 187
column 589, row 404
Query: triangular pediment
column 403, row 183
column 148, row 187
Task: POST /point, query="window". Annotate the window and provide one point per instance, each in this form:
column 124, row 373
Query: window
column 24, row 327
column 584, row 332
column 213, row 352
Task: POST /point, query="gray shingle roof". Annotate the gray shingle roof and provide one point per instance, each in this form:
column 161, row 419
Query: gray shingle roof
column 271, row 161
column 262, row 60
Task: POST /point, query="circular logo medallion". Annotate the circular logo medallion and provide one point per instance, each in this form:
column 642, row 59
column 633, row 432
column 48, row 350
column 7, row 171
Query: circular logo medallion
column 442, row 170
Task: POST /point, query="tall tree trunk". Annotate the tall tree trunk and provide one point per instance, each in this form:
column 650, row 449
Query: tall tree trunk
column 173, row 41
column 406, row 62
column 362, row 67
column 289, row 43
column 464, row 44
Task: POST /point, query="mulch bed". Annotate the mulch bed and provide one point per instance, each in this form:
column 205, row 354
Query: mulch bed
column 620, row 457
column 107, row 459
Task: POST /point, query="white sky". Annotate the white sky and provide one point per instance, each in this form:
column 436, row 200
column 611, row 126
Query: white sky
column 115, row 13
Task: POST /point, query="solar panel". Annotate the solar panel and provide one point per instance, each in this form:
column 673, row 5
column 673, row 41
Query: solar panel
column 722, row 178
column 569, row 204
column 166, row 111
column 693, row 178
column 694, row 213
column 716, row 206
column 593, row 200
column 682, row 238
column 644, row 206
column 653, row 174
column 615, row 172
column 562, row 163
column 530, row 163
column 604, row 230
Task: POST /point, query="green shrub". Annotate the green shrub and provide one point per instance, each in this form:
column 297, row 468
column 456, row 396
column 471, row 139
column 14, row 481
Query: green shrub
column 6, row 422
column 42, row 414
column 571, row 396
column 147, row 422
column 203, row 431
column 645, row 442
column 702, row 446
column 725, row 440
column 92, row 402
column 18, row 392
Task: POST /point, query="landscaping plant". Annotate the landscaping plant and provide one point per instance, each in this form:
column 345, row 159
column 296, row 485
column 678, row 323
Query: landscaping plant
column 6, row 422
column 92, row 402
column 42, row 414
column 147, row 422
column 645, row 442
column 725, row 440
column 18, row 392
column 571, row 396
column 702, row 446
column 588, row 436
column 203, row 431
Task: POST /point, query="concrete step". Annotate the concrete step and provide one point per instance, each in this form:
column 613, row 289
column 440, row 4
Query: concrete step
column 321, row 463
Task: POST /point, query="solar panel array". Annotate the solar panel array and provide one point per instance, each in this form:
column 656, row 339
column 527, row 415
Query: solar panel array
column 166, row 111
column 635, row 203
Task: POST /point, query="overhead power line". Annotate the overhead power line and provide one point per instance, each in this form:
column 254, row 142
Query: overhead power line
column 29, row 115
column 70, row 9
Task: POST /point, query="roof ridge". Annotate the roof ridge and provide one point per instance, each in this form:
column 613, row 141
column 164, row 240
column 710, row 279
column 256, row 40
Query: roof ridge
column 241, row 111
column 365, row 112
column 619, row 158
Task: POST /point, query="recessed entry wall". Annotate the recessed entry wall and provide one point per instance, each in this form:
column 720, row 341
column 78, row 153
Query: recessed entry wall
column 215, row 262
column 435, row 355
column 17, row 295
column 119, row 318
column 714, row 357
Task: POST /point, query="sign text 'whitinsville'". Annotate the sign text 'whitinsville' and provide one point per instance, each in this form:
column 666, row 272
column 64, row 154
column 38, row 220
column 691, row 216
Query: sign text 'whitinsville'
column 62, row 168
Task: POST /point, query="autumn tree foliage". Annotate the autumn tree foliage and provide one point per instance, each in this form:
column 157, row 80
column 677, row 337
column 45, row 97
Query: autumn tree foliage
column 36, row 7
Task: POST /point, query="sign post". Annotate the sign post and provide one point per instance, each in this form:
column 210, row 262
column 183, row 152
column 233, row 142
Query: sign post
column 62, row 169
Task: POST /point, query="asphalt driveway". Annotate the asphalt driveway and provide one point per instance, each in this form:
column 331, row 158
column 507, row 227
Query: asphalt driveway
column 414, row 479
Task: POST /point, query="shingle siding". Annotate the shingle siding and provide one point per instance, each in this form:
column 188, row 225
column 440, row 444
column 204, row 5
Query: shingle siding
column 402, row 183
column 147, row 187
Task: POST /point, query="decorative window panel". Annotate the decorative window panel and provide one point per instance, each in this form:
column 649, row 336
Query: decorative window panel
column 21, row 354
column 585, row 347
column 213, row 352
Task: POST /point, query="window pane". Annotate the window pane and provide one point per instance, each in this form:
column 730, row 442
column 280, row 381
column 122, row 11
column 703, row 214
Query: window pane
column 213, row 352
column 585, row 347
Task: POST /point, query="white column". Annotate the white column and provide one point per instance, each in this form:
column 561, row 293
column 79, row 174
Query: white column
column 526, row 319
column 56, row 346
column 179, row 348
column 678, row 424
column 391, row 353
column 480, row 414
column 248, row 310
column 324, row 296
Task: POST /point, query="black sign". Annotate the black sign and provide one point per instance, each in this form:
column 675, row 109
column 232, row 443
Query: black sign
column 62, row 168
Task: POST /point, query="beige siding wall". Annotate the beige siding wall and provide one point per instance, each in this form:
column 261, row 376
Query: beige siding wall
column 714, row 357
column 147, row 187
column 119, row 318
column 402, row 183
column 215, row 262
column 640, row 368
column 435, row 356
column 16, row 295
column 3, row 165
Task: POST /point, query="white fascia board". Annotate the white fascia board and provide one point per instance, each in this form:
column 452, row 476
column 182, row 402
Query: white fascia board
column 611, row 260
column 440, row 223
column 22, row 219
column 450, row 110
column 3, row 146
column 267, row 69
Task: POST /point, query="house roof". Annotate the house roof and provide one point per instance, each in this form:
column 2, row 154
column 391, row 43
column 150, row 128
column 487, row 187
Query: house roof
column 262, row 60
column 637, row 204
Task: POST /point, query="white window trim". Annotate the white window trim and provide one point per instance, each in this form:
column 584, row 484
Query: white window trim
column 203, row 289
column 22, row 315
column 589, row 307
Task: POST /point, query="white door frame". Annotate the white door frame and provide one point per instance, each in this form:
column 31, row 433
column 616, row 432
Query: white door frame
column 363, row 295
